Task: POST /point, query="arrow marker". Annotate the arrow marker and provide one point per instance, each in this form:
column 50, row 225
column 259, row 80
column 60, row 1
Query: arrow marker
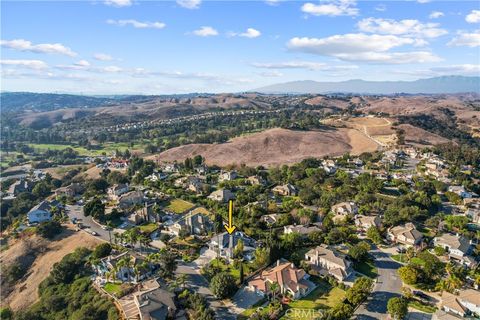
column 230, row 228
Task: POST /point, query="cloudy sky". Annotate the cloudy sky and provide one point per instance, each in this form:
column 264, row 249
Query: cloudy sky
column 152, row 47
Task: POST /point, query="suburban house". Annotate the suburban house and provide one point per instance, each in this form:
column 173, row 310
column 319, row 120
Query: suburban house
column 145, row 214
column 227, row 176
column 19, row 186
column 301, row 229
column 131, row 198
column 458, row 247
column 225, row 244
column 154, row 302
column 285, row 190
column 41, row 212
column 474, row 214
column 343, row 209
column 405, row 234
column 222, row 195
column 70, row 191
column 128, row 266
column 270, row 219
column 194, row 222
column 256, row 180
column 291, row 280
column 366, row 222
column 170, row 167
column 329, row 166
column 467, row 302
column 115, row 191
column 460, row 191
column 195, row 185
column 327, row 261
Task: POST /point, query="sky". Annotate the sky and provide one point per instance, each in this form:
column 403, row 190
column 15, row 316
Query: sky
column 165, row 47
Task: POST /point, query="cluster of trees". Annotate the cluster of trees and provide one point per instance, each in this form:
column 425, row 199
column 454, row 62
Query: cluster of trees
column 425, row 269
column 196, row 306
column 67, row 293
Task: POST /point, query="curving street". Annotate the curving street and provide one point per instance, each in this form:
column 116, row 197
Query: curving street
column 388, row 285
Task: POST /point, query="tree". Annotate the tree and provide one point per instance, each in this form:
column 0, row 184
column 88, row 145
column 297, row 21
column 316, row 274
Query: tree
column 223, row 285
column 397, row 307
column 49, row 229
column 274, row 287
column 102, row 250
column 359, row 251
column 95, row 208
column 374, row 234
column 41, row 189
column 408, row 274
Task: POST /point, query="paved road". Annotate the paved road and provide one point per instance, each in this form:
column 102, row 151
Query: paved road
column 76, row 211
column 198, row 283
column 388, row 285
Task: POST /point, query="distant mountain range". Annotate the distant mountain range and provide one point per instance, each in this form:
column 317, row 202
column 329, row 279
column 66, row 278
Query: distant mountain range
column 446, row 84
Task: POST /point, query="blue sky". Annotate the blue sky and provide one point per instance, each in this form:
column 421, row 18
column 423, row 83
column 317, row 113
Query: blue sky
column 153, row 47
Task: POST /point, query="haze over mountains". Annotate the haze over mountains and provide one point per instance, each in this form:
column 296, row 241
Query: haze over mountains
column 445, row 84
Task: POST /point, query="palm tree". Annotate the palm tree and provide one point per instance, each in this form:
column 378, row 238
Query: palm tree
column 116, row 237
column 109, row 228
column 274, row 287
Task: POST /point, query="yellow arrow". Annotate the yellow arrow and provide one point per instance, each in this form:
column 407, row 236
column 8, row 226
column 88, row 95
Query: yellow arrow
column 230, row 228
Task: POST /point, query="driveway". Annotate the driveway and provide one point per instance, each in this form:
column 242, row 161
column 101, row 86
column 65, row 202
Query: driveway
column 198, row 283
column 76, row 211
column 388, row 285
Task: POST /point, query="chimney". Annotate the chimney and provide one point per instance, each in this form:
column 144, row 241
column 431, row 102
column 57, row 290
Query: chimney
column 278, row 262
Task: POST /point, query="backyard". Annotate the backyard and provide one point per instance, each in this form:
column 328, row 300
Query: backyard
column 179, row 206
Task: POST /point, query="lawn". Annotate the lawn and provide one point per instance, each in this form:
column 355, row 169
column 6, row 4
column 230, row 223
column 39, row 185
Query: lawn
column 422, row 307
column 229, row 268
column 148, row 228
column 402, row 258
column 179, row 206
column 108, row 148
column 323, row 297
column 367, row 268
column 113, row 288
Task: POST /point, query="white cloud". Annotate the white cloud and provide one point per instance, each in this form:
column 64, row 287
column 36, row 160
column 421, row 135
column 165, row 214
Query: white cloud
column 271, row 74
column 362, row 47
column 473, row 17
column 102, row 57
column 402, row 27
column 436, row 14
column 423, row 1
column 309, row 65
column 118, row 3
column 250, row 33
column 331, row 8
column 30, row 64
column 24, row 45
column 189, row 4
column 272, row 2
column 465, row 69
column 137, row 24
column 82, row 63
column 205, row 31
column 111, row 69
column 466, row 39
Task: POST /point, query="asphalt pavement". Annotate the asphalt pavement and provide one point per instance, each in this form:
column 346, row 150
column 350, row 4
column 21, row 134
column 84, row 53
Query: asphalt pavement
column 388, row 285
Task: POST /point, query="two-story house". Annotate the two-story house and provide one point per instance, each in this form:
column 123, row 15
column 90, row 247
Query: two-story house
column 328, row 261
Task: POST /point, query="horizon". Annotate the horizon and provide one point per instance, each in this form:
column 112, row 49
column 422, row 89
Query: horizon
column 119, row 47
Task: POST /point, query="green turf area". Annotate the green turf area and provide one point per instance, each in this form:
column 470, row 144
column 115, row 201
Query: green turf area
column 417, row 261
column 422, row 307
column 322, row 297
column 179, row 206
column 107, row 148
column 113, row 288
column 148, row 228
column 400, row 258
column 247, row 268
column 367, row 268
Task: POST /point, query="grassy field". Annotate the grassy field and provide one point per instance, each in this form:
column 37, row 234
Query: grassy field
column 108, row 148
column 422, row 307
column 113, row 288
column 323, row 297
column 179, row 206
column 367, row 268
column 148, row 228
column 400, row 258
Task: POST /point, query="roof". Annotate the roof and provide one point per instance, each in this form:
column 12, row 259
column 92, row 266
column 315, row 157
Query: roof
column 303, row 229
column 284, row 273
column 348, row 206
column 408, row 230
column 442, row 315
column 44, row 206
column 155, row 304
column 333, row 256
column 470, row 295
column 455, row 242
column 366, row 220
column 450, row 301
